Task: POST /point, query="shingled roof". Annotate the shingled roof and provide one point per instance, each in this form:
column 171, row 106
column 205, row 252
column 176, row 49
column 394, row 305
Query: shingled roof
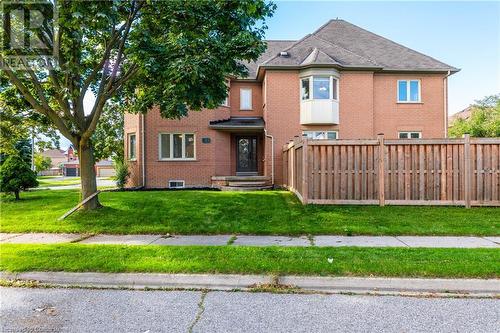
column 344, row 45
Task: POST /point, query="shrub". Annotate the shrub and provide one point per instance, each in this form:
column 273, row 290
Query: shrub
column 16, row 175
column 122, row 173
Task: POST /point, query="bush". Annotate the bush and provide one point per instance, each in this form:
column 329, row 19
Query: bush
column 122, row 173
column 16, row 175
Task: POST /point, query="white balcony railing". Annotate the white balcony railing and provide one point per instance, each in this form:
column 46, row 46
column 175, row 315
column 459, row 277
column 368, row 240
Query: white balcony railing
column 319, row 111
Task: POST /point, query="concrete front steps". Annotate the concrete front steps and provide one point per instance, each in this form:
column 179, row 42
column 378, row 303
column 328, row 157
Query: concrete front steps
column 242, row 183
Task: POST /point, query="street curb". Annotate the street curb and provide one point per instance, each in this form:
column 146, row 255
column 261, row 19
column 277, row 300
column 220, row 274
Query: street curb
column 357, row 285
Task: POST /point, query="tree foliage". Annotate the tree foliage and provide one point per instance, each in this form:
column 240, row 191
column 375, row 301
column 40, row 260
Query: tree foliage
column 108, row 135
column 42, row 162
column 172, row 54
column 16, row 175
column 122, row 173
column 484, row 120
column 21, row 122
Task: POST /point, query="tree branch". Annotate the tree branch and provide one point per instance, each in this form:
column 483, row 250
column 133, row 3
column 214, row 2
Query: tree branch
column 37, row 106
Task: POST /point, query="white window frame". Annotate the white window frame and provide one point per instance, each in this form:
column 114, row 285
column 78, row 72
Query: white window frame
column 408, row 91
column 241, row 99
column 176, row 181
column 311, row 87
column 409, row 133
column 226, row 101
column 171, row 158
column 129, row 146
column 326, row 132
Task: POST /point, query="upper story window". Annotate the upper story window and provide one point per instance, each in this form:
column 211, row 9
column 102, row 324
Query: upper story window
column 409, row 91
column 410, row 135
column 132, row 146
column 321, row 135
column 245, row 99
column 322, row 87
column 305, row 88
column 176, row 146
column 226, row 101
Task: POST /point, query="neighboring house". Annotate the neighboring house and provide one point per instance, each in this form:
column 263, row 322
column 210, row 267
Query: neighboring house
column 57, row 156
column 464, row 114
column 69, row 166
column 340, row 82
column 105, row 168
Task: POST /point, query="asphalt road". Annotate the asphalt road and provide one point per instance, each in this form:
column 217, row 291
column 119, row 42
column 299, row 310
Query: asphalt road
column 85, row 310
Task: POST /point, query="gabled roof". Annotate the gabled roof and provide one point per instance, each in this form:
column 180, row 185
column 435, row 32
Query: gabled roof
column 273, row 47
column 53, row 153
column 341, row 44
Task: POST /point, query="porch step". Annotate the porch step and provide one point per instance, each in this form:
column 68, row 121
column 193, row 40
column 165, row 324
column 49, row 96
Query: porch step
column 248, row 188
column 247, row 184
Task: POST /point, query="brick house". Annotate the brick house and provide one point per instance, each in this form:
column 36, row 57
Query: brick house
column 340, row 82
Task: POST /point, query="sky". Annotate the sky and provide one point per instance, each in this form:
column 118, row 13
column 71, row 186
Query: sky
column 463, row 34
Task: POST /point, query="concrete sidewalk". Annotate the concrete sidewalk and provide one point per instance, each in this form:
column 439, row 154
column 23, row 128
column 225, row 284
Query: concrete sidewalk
column 449, row 287
column 246, row 240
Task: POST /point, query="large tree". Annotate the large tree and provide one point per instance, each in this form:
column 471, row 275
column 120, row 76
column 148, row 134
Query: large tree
column 173, row 54
column 20, row 123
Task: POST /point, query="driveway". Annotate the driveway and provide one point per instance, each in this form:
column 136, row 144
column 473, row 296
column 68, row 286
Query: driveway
column 90, row 310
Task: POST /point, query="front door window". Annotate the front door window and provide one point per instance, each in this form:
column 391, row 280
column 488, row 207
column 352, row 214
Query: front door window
column 246, row 154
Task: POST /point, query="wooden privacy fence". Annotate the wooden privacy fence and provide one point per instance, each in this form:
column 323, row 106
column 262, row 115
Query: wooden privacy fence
column 394, row 172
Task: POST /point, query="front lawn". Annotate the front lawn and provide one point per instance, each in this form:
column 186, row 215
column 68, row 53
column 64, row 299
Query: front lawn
column 347, row 261
column 45, row 181
column 212, row 212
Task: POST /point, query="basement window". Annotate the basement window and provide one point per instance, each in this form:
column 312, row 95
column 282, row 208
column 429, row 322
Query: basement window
column 176, row 184
column 410, row 135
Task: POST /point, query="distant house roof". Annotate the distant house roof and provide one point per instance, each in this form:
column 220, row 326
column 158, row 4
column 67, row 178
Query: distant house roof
column 104, row 163
column 72, row 162
column 238, row 123
column 53, row 153
column 464, row 114
column 341, row 44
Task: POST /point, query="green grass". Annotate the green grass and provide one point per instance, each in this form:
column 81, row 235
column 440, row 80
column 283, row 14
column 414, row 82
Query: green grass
column 45, row 181
column 211, row 212
column 347, row 261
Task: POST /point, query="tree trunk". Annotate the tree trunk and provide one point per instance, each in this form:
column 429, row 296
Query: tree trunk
column 88, row 176
column 16, row 193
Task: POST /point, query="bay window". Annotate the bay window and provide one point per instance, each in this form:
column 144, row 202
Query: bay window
column 305, row 89
column 322, row 87
column 176, row 146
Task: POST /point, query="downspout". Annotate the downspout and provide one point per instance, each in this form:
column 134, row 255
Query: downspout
column 142, row 151
column 272, row 154
column 445, row 95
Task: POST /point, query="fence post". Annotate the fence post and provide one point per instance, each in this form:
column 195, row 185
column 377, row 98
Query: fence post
column 381, row 170
column 467, row 171
column 305, row 170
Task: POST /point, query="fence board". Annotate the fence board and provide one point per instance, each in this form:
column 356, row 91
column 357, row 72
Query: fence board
column 404, row 172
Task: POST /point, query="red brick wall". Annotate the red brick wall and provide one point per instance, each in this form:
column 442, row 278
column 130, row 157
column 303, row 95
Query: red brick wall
column 427, row 117
column 367, row 106
column 234, row 99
